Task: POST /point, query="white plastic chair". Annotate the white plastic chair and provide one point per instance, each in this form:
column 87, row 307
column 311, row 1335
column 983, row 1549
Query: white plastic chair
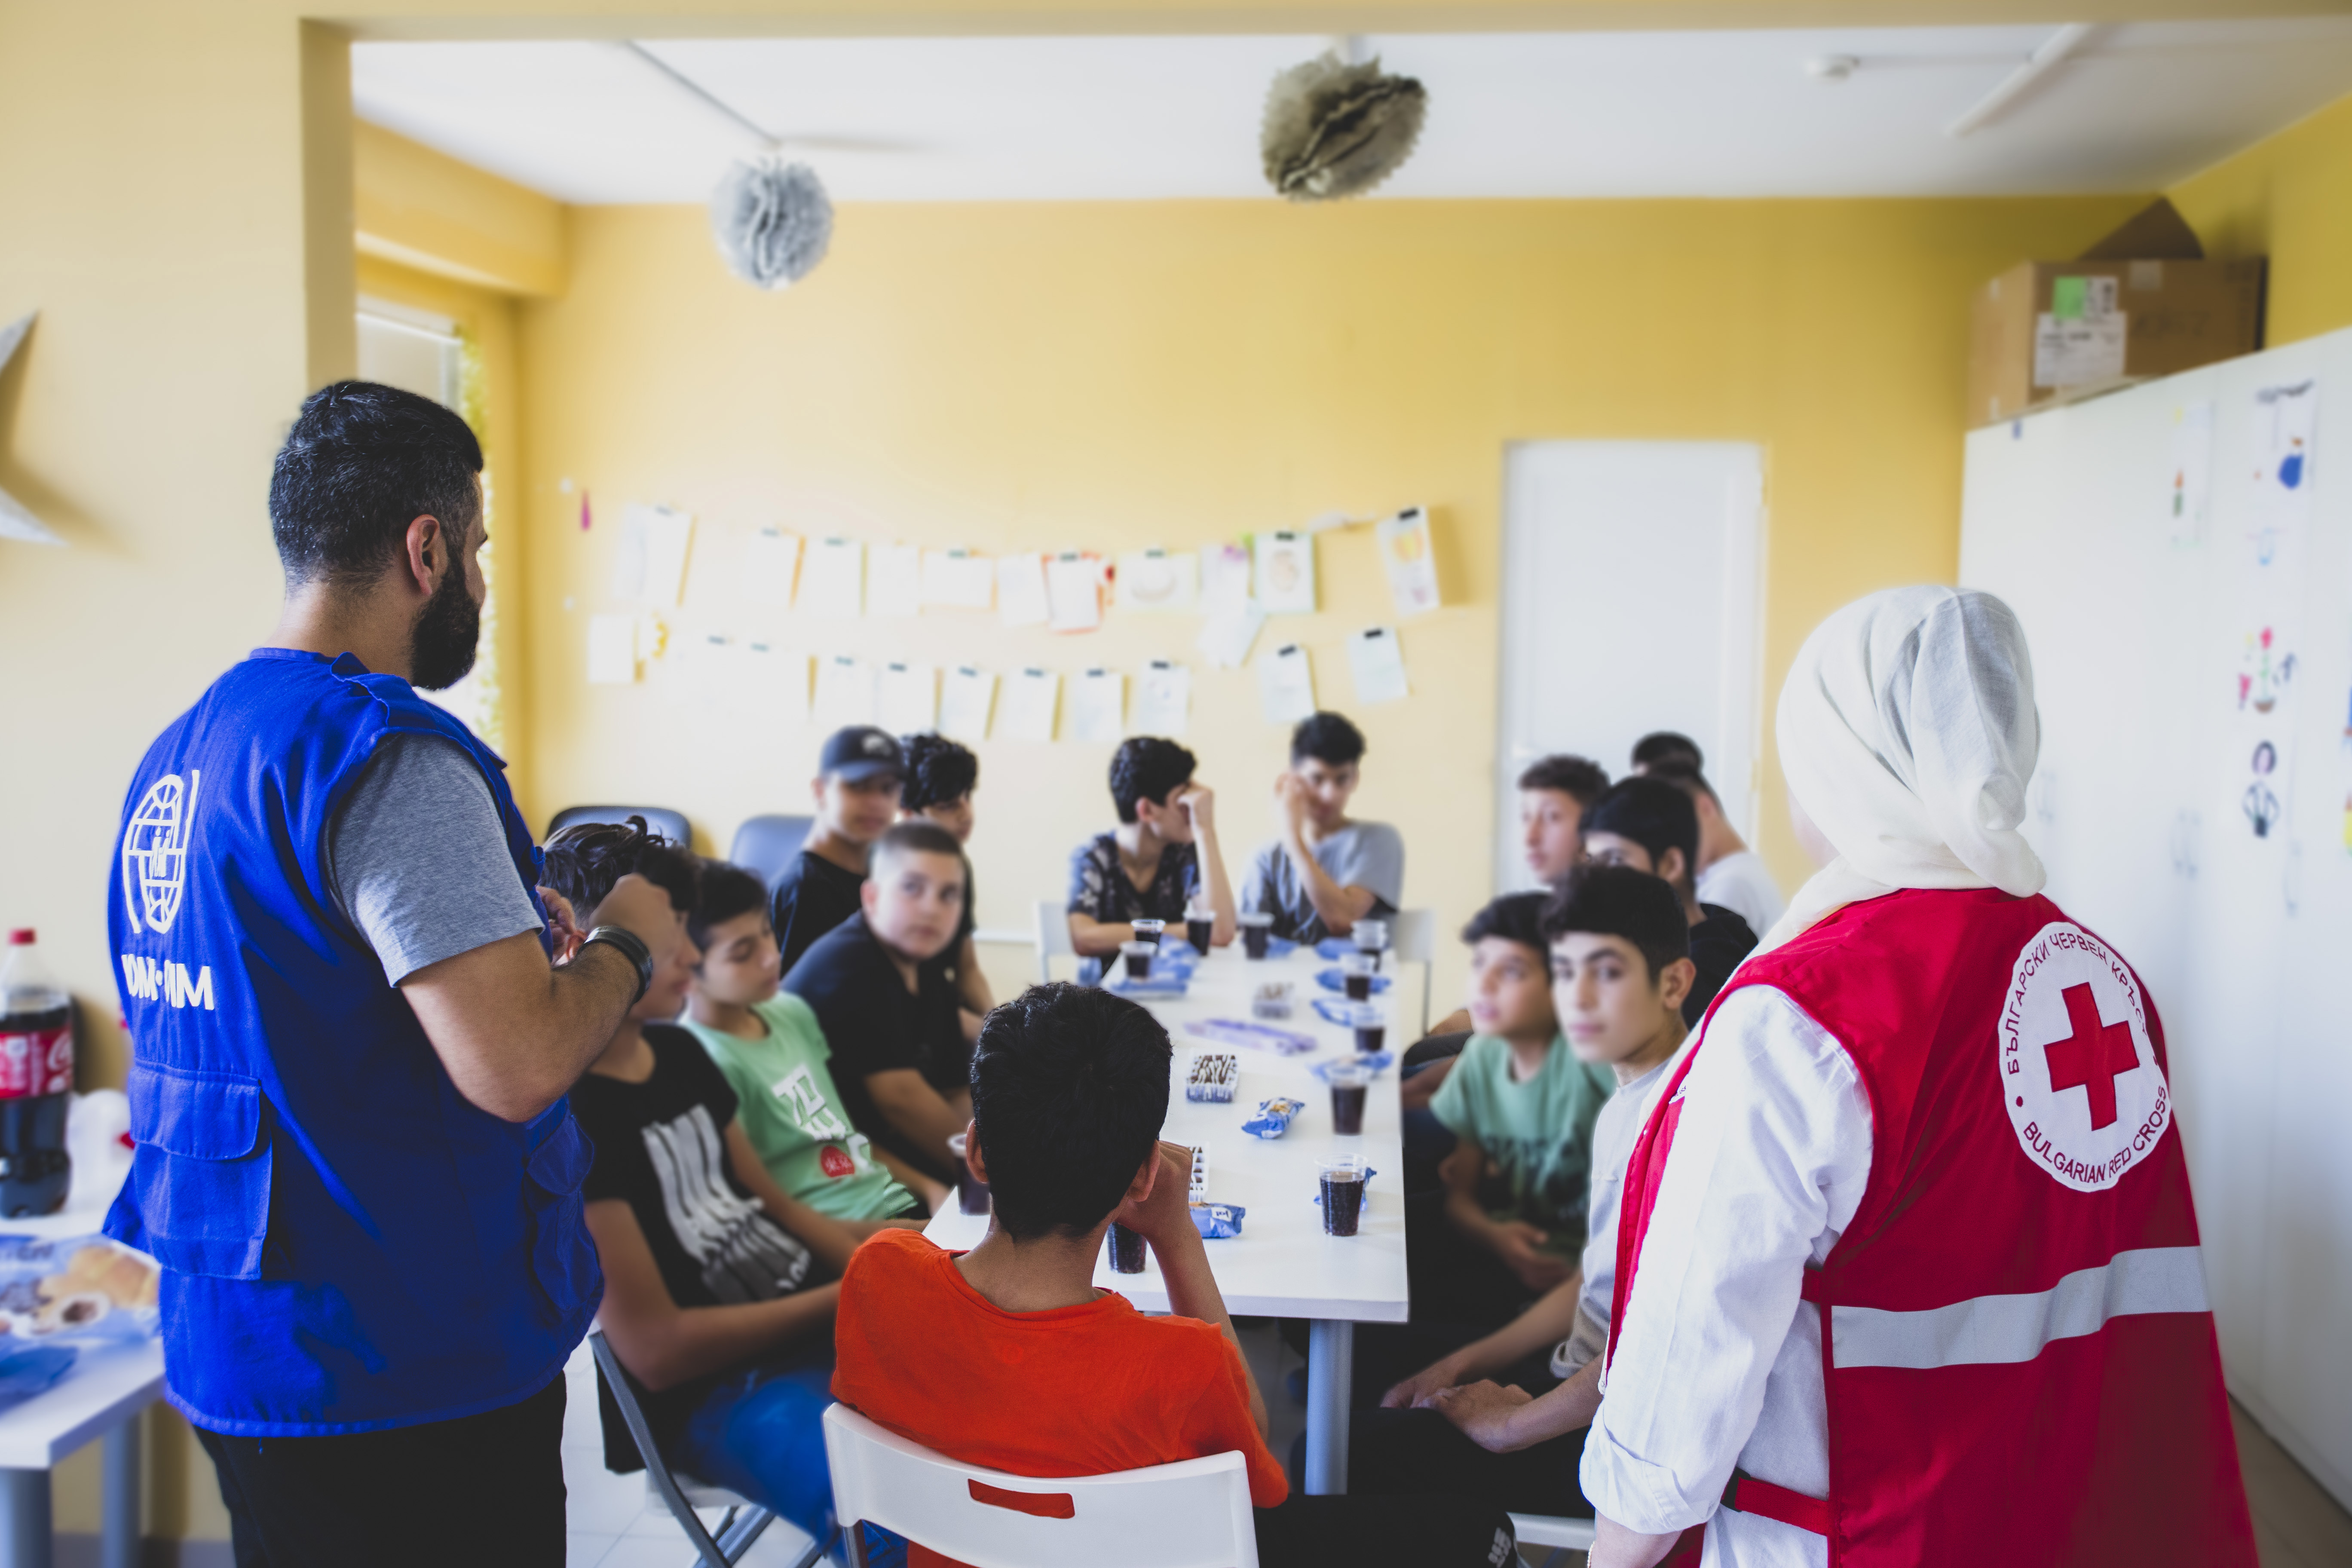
column 1412, row 939
column 1561, row 1534
column 1191, row 1514
column 1052, row 925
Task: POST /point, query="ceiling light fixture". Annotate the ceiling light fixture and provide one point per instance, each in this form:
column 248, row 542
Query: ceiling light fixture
column 2068, row 40
column 1338, row 126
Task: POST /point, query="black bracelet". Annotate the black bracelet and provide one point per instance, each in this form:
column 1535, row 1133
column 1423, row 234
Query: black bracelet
column 631, row 946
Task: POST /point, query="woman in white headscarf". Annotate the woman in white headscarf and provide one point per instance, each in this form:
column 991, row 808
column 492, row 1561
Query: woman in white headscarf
column 1934, row 1108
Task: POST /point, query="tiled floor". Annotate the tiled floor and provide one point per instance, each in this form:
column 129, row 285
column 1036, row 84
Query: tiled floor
column 616, row 1524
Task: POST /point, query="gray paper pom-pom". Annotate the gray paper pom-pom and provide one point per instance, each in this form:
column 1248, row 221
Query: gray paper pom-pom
column 1333, row 129
column 772, row 221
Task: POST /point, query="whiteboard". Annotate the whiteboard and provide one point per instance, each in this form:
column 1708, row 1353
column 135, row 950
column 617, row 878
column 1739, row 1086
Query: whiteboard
column 2158, row 696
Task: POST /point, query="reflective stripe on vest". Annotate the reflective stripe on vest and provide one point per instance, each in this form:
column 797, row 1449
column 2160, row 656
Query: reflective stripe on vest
column 1994, row 1330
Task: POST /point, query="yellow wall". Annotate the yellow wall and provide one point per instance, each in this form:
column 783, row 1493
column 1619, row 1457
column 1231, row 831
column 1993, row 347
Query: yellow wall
column 428, row 212
column 2289, row 198
column 1119, row 375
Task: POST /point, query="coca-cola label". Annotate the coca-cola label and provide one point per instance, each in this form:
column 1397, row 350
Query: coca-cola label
column 39, row 1061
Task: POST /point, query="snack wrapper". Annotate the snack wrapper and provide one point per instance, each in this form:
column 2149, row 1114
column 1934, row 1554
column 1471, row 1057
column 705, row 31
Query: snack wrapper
column 1274, row 1117
column 1218, row 1222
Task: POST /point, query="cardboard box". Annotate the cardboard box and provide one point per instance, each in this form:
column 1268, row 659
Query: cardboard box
column 2048, row 331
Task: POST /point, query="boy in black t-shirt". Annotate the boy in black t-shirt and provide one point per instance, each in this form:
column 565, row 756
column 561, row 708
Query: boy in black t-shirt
column 716, row 1293
column 1653, row 827
column 856, row 790
column 899, row 1057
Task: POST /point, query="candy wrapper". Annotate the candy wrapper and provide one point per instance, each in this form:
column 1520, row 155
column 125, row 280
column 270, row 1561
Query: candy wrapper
column 1254, row 1036
column 1218, row 1222
column 1274, row 1117
column 60, row 1297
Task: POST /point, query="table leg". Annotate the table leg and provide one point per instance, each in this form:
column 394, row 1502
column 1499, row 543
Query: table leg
column 24, row 1518
column 1330, row 1371
column 119, row 1497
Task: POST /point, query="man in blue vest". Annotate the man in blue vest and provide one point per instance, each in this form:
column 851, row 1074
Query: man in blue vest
column 352, row 1043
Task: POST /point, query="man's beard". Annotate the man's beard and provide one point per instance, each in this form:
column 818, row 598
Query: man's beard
column 447, row 633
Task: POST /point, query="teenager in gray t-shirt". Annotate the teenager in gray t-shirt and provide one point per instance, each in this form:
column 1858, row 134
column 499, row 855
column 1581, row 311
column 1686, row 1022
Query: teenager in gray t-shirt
column 1324, row 871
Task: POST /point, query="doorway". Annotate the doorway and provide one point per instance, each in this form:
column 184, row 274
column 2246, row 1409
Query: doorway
column 1632, row 583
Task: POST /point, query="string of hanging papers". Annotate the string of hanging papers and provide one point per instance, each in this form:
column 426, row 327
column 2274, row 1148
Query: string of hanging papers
column 1233, row 588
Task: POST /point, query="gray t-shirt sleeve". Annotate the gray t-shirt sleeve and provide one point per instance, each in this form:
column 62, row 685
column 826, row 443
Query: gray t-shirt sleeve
column 417, row 860
column 1371, row 856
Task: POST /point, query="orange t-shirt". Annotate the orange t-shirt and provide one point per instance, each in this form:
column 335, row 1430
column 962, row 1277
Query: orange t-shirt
column 1078, row 1391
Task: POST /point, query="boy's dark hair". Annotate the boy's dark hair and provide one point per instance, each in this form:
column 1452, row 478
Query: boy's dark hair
column 1617, row 900
column 1069, row 1088
column 361, row 461
column 1514, row 917
column 1146, row 767
column 917, row 836
column 585, row 859
column 1667, row 746
column 722, row 892
column 937, row 771
column 1654, row 815
column 1685, row 777
column 1327, row 737
column 1578, row 777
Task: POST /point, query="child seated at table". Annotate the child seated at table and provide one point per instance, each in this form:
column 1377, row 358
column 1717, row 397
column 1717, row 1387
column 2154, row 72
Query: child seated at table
column 1620, row 964
column 715, row 1293
column 1160, row 860
column 768, row 1044
column 1008, row 1357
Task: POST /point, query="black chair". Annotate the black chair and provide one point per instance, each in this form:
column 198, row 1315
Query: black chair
column 670, row 824
column 765, row 845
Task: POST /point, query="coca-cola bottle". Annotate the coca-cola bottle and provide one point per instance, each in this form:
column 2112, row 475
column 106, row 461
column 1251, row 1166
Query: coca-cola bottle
column 36, row 1069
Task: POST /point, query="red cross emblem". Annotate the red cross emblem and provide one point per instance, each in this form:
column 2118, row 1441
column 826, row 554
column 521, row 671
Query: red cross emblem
column 2093, row 1057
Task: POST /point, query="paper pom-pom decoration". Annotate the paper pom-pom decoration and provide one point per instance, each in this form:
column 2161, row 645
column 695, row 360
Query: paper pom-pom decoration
column 1333, row 129
column 772, row 221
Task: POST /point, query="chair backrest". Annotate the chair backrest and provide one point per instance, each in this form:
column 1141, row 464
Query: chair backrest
column 1191, row 1514
column 1412, row 939
column 1053, row 927
column 764, row 846
column 670, row 824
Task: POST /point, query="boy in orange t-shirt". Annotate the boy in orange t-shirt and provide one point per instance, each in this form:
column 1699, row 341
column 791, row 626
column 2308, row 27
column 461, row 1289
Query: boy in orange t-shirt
column 1007, row 1356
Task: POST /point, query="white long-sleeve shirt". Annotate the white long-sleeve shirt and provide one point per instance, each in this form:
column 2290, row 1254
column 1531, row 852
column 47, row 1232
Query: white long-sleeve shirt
column 1719, row 1362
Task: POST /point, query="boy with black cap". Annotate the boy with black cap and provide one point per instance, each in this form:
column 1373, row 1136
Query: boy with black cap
column 856, row 789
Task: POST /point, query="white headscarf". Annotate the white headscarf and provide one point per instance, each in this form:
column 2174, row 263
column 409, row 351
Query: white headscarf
column 1908, row 731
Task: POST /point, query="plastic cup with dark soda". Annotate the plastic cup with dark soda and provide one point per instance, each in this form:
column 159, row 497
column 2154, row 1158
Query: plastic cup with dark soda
column 1350, row 1082
column 972, row 1193
column 1126, row 1250
column 1257, row 926
column 1355, row 975
column 1343, row 1193
column 1371, row 937
column 1138, row 955
column 1371, row 1026
column 1148, row 930
column 1200, row 926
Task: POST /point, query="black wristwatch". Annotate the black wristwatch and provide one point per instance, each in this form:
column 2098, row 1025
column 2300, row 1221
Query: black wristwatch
column 631, row 946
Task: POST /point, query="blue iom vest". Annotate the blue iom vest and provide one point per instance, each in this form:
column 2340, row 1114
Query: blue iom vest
column 347, row 1242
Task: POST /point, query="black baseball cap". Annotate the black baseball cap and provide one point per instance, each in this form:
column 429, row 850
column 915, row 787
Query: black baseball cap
column 861, row 751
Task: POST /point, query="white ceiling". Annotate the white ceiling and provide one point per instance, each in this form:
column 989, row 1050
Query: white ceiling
column 1556, row 114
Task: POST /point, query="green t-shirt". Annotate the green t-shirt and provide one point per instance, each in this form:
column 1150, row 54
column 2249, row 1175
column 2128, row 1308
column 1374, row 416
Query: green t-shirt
column 792, row 1114
column 1537, row 1134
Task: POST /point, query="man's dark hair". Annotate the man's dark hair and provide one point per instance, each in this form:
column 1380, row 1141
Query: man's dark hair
column 1069, row 1088
column 1685, row 777
column 918, row 835
column 1146, row 767
column 1327, row 737
column 1654, row 815
column 1580, row 778
column 1514, row 917
column 361, row 461
column 1667, row 746
column 722, row 892
column 585, row 859
column 939, row 771
column 1618, row 900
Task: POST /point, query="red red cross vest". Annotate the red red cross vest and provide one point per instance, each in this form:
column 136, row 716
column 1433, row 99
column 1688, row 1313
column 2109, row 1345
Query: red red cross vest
column 2019, row 1354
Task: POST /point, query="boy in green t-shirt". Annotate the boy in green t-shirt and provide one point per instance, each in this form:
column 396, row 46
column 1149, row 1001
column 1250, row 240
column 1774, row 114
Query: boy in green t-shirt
column 775, row 1057
column 1523, row 1107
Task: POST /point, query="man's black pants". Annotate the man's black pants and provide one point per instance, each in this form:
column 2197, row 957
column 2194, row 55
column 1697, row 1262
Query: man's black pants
column 485, row 1488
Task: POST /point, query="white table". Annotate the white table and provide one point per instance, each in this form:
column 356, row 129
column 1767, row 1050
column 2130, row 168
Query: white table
column 1282, row 1265
column 100, row 1397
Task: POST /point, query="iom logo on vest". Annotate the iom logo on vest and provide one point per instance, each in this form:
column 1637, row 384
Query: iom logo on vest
column 155, row 852
column 2078, row 1073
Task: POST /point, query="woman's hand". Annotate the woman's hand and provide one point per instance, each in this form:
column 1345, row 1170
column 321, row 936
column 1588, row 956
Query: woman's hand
column 1483, row 1411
